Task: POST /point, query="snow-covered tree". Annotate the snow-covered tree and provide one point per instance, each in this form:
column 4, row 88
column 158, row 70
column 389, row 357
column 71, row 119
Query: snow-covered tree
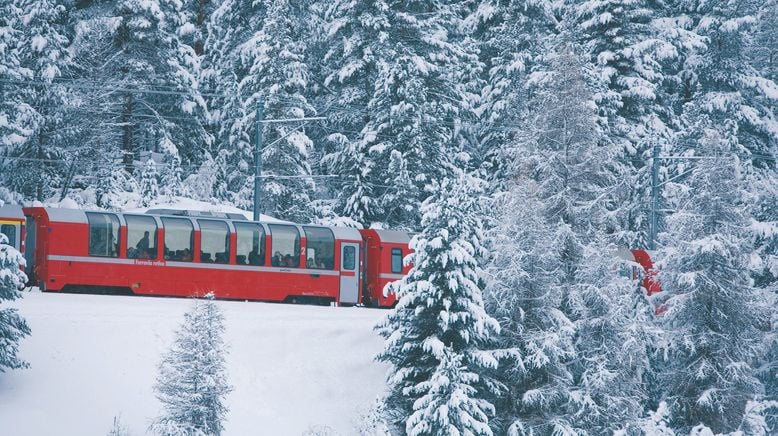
column 536, row 340
column 511, row 36
column 192, row 381
column 392, row 65
column 172, row 185
column 12, row 326
column 716, row 319
column 149, row 185
column 721, row 80
column 437, row 334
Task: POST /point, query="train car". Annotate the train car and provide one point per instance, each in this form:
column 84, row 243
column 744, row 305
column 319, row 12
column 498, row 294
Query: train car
column 12, row 225
column 642, row 268
column 385, row 251
column 191, row 255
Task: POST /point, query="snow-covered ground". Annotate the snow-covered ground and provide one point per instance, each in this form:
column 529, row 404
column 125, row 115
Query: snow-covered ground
column 94, row 357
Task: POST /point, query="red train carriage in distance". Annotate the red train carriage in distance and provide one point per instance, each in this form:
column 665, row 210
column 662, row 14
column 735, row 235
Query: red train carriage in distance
column 12, row 225
column 181, row 253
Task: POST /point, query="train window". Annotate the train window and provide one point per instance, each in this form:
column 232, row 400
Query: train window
column 214, row 241
column 251, row 244
column 286, row 245
column 349, row 258
column 397, row 260
column 103, row 234
column 141, row 237
column 179, row 239
column 9, row 230
column 320, row 249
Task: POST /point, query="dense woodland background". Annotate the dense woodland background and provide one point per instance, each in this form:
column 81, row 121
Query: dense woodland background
column 522, row 132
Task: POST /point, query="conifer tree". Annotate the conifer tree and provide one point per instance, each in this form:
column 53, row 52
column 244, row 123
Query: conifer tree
column 12, row 326
column 149, row 186
column 536, row 341
column 396, row 61
column 437, row 334
column 192, row 381
column 716, row 319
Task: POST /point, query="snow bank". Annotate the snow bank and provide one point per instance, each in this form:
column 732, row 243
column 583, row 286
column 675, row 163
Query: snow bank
column 94, row 357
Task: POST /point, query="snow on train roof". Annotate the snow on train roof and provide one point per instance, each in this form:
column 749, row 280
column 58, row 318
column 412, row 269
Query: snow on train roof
column 394, row 236
column 201, row 206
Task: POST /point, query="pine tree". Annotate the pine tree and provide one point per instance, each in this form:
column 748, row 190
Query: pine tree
column 395, row 61
column 172, row 185
column 42, row 54
column 149, row 187
column 192, row 378
column 720, row 78
column 12, row 326
column 716, row 318
column 435, row 336
column 536, row 341
column 277, row 75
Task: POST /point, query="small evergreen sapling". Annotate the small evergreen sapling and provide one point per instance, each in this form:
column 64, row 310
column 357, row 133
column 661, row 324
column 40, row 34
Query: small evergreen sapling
column 192, row 380
column 12, row 326
column 435, row 337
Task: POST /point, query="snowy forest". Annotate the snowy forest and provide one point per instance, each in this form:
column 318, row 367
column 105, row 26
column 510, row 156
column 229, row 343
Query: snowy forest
column 522, row 141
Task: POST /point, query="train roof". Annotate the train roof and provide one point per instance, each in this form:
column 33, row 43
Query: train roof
column 79, row 216
column 393, row 236
column 13, row 211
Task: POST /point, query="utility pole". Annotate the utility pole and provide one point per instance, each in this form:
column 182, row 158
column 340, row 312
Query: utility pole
column 652, row 231
column 258, row 160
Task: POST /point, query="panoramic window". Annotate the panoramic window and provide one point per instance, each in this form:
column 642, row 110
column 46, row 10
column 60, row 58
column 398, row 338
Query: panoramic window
column 103, row 234
column 286, row 245
column 9, row 230
column 397, row 260
column 349, row 258
column 214, row 241
column 141, row 237
column 320, row 247
column 179, row 239
column 251, row 244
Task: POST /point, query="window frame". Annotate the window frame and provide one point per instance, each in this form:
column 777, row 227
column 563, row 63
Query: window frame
column 262, row 241
column 226, row 241
column 16, row 235
column 114, row 219
column 395, row 252
column 344, row 266
column 127, row 219
column 296, row 247
column 191, row 238
column 308, row 245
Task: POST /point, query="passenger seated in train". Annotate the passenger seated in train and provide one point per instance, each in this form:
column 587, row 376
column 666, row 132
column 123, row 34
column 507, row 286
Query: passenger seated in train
column 276, row 260
column 254, row 258
column 142, row 247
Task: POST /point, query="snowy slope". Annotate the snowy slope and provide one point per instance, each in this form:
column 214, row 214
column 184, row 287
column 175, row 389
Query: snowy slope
column 94, row 357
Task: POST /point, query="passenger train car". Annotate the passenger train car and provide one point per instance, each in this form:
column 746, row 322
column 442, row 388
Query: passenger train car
column 188, row 253
column 191, row 254
column 12, row 225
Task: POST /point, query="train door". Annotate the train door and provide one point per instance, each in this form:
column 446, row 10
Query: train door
column 30, row 248
column 349, row 273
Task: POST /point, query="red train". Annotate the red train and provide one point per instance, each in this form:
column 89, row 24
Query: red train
column 181, row 253
column 185, row 253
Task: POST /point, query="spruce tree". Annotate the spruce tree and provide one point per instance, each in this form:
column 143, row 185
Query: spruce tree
column 192, row 382
column 437, row 334
column 12, row 326
column 716, row 318
column 392, row 65
column 149, row 186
